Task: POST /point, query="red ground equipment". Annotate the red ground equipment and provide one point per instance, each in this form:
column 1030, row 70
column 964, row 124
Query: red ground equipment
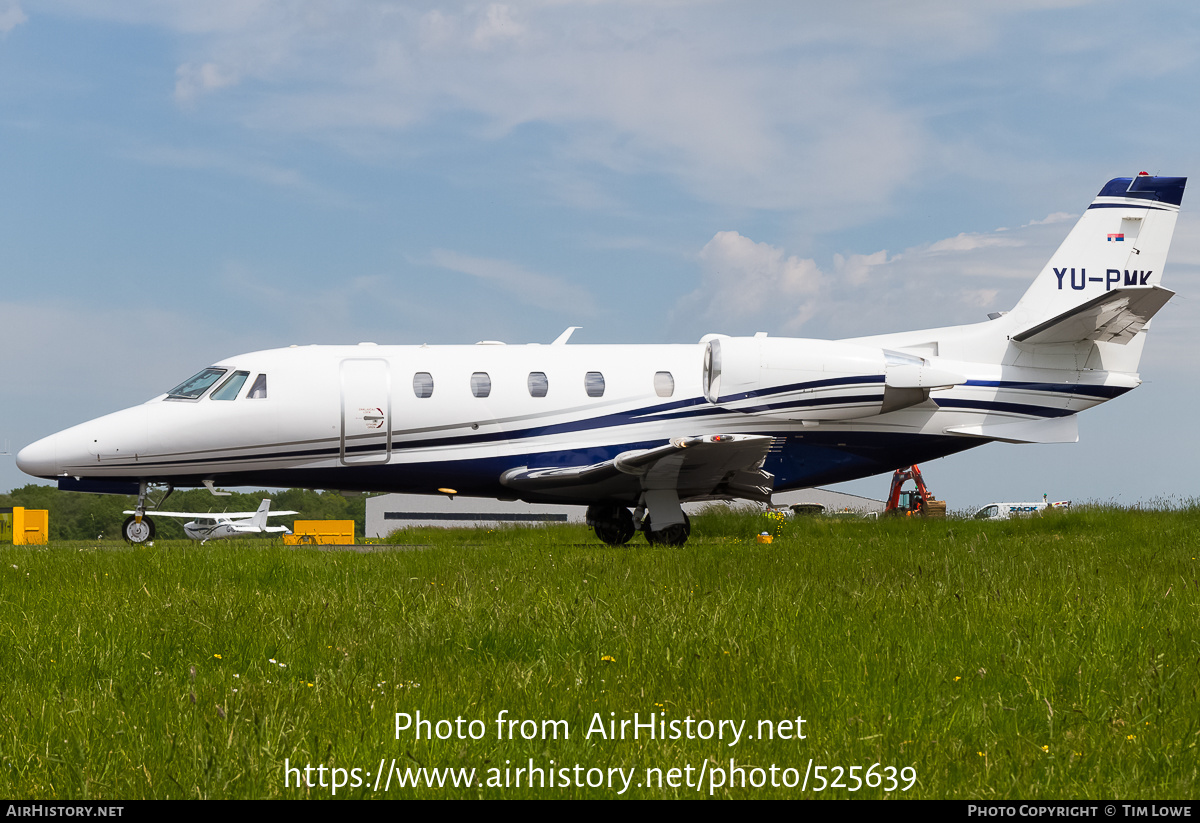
column 915, row 503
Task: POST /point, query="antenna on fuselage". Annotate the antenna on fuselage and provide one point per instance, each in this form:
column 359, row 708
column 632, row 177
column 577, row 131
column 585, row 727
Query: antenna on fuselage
column 562, row 339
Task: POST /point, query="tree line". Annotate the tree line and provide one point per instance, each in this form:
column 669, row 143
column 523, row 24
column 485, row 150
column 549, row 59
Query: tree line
column 80, row 516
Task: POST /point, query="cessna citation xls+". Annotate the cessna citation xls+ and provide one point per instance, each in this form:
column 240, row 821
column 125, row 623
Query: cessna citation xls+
column 615, row 427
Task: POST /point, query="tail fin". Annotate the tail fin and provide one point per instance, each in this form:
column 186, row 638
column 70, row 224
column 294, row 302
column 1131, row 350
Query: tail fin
column 260, row 517
column 1103, row 282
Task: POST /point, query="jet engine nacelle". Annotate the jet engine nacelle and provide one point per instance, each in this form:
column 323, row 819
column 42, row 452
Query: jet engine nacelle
column 799, row 379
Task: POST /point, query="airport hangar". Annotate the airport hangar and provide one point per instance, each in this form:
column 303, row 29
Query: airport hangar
column 388, row 512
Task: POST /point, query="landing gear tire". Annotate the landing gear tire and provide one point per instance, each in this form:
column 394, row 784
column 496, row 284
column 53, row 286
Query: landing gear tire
column 135, row 532
column 674, row 535
column 612, row 524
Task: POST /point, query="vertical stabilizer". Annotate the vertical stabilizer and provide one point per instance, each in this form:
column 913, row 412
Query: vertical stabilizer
column 260, row 517
column 1111, row 260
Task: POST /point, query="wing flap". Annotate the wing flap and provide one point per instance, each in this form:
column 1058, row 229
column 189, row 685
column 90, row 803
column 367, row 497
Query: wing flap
column 712, row 465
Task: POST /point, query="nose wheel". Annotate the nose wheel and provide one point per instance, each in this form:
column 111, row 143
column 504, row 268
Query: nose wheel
column 135, row 531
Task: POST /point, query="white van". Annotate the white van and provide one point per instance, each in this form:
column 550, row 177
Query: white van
column 1003, row 511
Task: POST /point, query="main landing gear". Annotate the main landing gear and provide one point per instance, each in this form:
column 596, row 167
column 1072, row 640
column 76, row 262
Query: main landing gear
column 612, row 523
column 615, row 525
column 674, row 535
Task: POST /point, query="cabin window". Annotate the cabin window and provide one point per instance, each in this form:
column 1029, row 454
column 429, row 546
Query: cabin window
column 230, row 388
column 593, row 384
column 259, row 390
column 423, row 384
column 664, row 384
column 538, row 384
column 481, row 384
column 196, row 385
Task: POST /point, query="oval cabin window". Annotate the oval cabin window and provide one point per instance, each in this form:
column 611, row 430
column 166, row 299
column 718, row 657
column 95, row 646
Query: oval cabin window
column 423, row 384
column 481, row 384
column 664, row 384
column 593, row 383
column 539, row 385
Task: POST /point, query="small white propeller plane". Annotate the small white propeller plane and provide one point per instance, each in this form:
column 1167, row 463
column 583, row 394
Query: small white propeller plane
column 208, row 526
column 618, row 426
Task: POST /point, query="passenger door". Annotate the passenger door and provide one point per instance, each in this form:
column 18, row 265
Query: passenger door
column 366, row 411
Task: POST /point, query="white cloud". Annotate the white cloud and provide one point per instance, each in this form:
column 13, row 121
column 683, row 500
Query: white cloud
column 496, row 24
column 970, row 242
column 191, row 80
column 857, row 268
column 742, row 280
column 950, row 281
column 731, row 108
column 1056, row 217
column 11, row 15
column 759, row 110
column 528, row 286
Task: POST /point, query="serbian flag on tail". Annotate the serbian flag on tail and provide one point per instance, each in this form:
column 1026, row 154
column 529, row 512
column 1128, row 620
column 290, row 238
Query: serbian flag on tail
column 1120, row 238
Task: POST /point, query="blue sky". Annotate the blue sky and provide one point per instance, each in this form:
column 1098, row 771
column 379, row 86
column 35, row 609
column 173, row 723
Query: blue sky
column 180, row 182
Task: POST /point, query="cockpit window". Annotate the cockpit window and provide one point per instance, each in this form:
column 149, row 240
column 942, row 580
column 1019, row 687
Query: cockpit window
column 259, row 389
column 196, row 385
column 230, row 388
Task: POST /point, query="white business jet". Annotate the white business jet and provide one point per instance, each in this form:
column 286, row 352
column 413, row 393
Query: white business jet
column 205, row 526
column 646, row 427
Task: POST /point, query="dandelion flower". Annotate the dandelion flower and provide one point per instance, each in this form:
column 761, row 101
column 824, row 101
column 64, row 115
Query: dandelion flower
column 608, row 658
column 1045, row 748
column 217, row 656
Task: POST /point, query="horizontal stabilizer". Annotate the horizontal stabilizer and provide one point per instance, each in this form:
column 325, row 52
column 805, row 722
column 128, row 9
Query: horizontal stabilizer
column 1113, row 317
column 1046, row 430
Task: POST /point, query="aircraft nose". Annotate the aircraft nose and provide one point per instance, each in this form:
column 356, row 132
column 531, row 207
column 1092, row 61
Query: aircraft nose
column 40, row 458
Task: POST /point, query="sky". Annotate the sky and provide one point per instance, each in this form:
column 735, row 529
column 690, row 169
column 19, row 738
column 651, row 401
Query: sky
column 181, row 182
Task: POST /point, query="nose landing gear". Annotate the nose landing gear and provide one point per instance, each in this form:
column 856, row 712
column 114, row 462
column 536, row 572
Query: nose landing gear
column 138, row 528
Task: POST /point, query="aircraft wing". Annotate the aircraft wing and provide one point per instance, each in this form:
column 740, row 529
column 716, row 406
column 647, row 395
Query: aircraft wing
column 208, row 515
column 722, row 465
column 240, row 528
column 1113, row 317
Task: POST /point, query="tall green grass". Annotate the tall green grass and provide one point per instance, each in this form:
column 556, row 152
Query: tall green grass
column 1053, row 657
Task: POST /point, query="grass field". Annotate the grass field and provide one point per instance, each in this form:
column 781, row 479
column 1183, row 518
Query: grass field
column 1054, row 657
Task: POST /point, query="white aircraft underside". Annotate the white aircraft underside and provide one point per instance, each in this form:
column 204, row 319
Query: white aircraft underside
column 612, row 426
